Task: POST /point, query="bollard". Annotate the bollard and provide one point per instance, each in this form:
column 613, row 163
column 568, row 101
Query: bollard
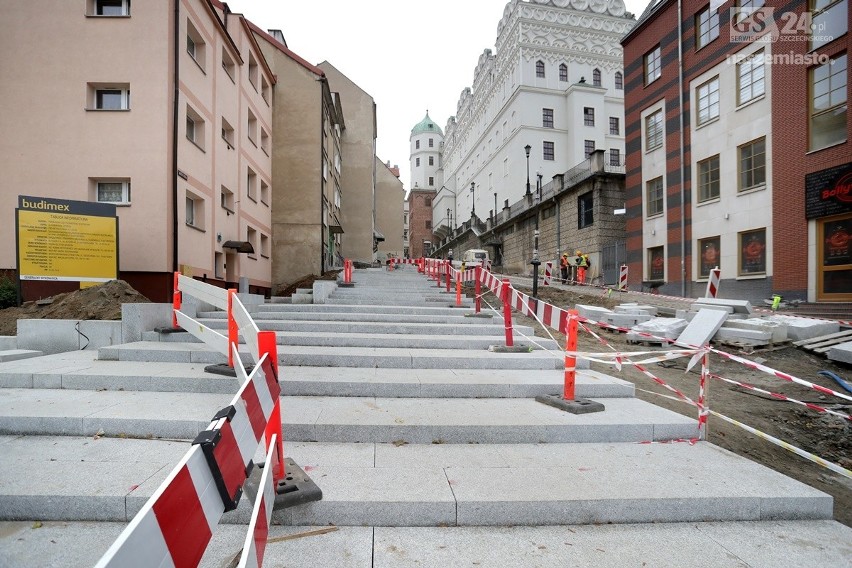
column 458, row 289
column 507, row 311
column 447, row 269
column 266, row 343
column 570, row 360
column 548, row 273
column 177, row 297
column 622, row 278
column 391, row 264
column 713, row 283
column 477, row 302
column 704, row 385
column 233, row 328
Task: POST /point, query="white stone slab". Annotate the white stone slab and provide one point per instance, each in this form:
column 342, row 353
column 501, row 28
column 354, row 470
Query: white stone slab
column 702, row 327
column 777, row 330
column 740, row 306
column 592, row 312
column 799, row 328
column 697, row 307
column 842, row 352
column 633, row 308
column 669, row 328
column 743, row 336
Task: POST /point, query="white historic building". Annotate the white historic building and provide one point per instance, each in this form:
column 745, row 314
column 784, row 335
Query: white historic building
column 555, row 84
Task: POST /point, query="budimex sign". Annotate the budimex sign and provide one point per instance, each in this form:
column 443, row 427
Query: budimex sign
column 63, row 240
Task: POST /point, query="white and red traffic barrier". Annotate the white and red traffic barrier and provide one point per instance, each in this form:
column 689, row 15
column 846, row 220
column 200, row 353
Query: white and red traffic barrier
column 177, row 297
column 507, row 311
column 347, row 271
column 570, row 358
column 713, row 283
column 622, row 277
column 548, row 272
column 254, row 546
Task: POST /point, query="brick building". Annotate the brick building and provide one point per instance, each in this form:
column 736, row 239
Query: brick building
column 751, row 172
column 421, row 239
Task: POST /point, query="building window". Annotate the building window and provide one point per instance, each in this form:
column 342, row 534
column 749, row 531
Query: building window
column 708, row 179
column 226, row 199
column 228, row 133
column 563, row 72
column 417, row 162
column 417, row 144
column 614, row 157
column 264, row 246
column 547, row 117
column 654, row 131
column 251, row 127
column 431, row 160
column 589, row 147
column 656, row 264
column 710, row 249
column 652, row 65
column 251, row 237
column 194, row 210
column 539, row 68
column 251, row 184
column 228, row 64
column 750, row 78
column 614, row 127
column 112, row 191
column 109, row 8
column 829, row 21
column 427, row 201
column 431, row 142
column 588, row 116
column 828, row 107
column 752, row 252
column 706, row 26
column 654, row 197
column 428, row 223
column 708, row 101
column 745, row 8
column 619, row 81
column 264, row 89
column 752, row 158
column 264, row 141
column 596, row 77
column 109, row 97
column 264, row 193
column 547, row 150
column 431, row 181
column 195, row 45
column 252, row 70
column 585, row 210
column 194, row 128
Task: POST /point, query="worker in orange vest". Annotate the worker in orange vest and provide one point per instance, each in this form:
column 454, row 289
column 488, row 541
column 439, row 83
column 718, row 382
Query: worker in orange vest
column 582, row 263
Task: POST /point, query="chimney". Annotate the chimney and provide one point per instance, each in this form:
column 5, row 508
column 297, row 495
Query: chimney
column 278, row 35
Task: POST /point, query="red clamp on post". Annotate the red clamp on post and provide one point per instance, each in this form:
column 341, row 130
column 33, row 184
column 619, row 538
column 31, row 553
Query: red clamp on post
column 477, row 302
column 233, row 328
column 177, row 297
column 507, row 311
column 267, row 344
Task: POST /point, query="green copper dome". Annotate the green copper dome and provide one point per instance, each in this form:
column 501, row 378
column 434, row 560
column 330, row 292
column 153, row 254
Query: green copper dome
column 426, row 125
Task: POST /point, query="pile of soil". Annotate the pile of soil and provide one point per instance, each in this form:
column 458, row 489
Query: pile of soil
column 825, row 435
column 306, row 282
column 101, row 302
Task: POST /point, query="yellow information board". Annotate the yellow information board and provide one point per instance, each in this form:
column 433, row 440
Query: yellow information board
column 65, row 240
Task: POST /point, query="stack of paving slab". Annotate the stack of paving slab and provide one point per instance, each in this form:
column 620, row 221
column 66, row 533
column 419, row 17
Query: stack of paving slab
column 429, row 448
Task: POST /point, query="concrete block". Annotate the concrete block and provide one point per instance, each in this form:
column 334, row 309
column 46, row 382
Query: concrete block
column 8, row 342
column 777, row 330
column 702, row 327
column 739, row 306
column 250, row 300
column 18, row 354
column 625, row 320
column 302, row 299
column 799, row 328
column 842, row 352
column 633, row 308
column 136, row 318
column 744, row 336
column 669, row 328
column 322, row 290
column 697, row 307
column 685, row 314
column 48, row 336
column 99, row 333
column 592, row 312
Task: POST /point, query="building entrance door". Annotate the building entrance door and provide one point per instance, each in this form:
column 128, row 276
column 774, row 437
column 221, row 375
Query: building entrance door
column 834, row 259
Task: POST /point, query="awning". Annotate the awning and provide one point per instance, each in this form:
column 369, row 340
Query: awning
column 378, row 236
column 239, row 246
column 335, row 229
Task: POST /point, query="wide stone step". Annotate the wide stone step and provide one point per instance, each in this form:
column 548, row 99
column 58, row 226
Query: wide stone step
column 392, row 301
column 340, row 419
column 264, row 309
column 757, row 544
column 109, row 479
column 476, row 327
column 312, row 356
column 376, row 340
column 217, row 320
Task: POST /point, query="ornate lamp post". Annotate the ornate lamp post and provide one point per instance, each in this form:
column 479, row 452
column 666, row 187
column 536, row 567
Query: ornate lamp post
column 495, row 208
column 535, row 260
column 527, row 149
column 473, row 199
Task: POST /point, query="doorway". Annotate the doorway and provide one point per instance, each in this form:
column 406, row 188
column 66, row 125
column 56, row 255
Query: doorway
column 834, row 259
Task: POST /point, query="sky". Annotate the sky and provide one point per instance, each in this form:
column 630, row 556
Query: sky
column 409, row 56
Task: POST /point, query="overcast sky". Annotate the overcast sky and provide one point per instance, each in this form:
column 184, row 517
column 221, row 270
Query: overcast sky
column 409, row 56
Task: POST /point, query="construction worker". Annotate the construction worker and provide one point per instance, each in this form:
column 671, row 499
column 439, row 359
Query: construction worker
column 563, row 267
column 581, row 267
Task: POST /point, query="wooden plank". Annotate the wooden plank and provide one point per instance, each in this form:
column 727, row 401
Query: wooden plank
column 803, row 342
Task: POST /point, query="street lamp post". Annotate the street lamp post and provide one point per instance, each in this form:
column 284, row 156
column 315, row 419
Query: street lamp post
column 527, row 149
column 449, row 219
column 495, row 207
column 473, row 199
column 535, row 260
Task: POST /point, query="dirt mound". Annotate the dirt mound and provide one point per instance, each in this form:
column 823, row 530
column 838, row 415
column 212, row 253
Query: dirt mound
column 305, row 282
column 101, row 302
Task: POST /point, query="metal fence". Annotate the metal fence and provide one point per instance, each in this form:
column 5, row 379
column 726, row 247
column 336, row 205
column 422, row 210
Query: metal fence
column 612, row 257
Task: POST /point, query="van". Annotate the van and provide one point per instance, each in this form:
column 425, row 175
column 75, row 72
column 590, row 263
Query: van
column 472, row 257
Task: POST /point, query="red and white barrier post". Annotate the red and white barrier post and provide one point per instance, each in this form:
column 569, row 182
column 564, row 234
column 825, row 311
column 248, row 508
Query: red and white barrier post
column 267, row 344
column 622, row 278
column 548, row 272
column 177, row 297
column 477, row 302
column 391, row 264
column 703, row 411
column 507, row 311
column 447, row 269
column 233, row 328
column 458, row 288
column 570, row 360
column 713, row 283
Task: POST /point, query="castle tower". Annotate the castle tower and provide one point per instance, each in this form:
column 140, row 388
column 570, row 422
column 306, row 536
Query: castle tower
column 426, row 140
